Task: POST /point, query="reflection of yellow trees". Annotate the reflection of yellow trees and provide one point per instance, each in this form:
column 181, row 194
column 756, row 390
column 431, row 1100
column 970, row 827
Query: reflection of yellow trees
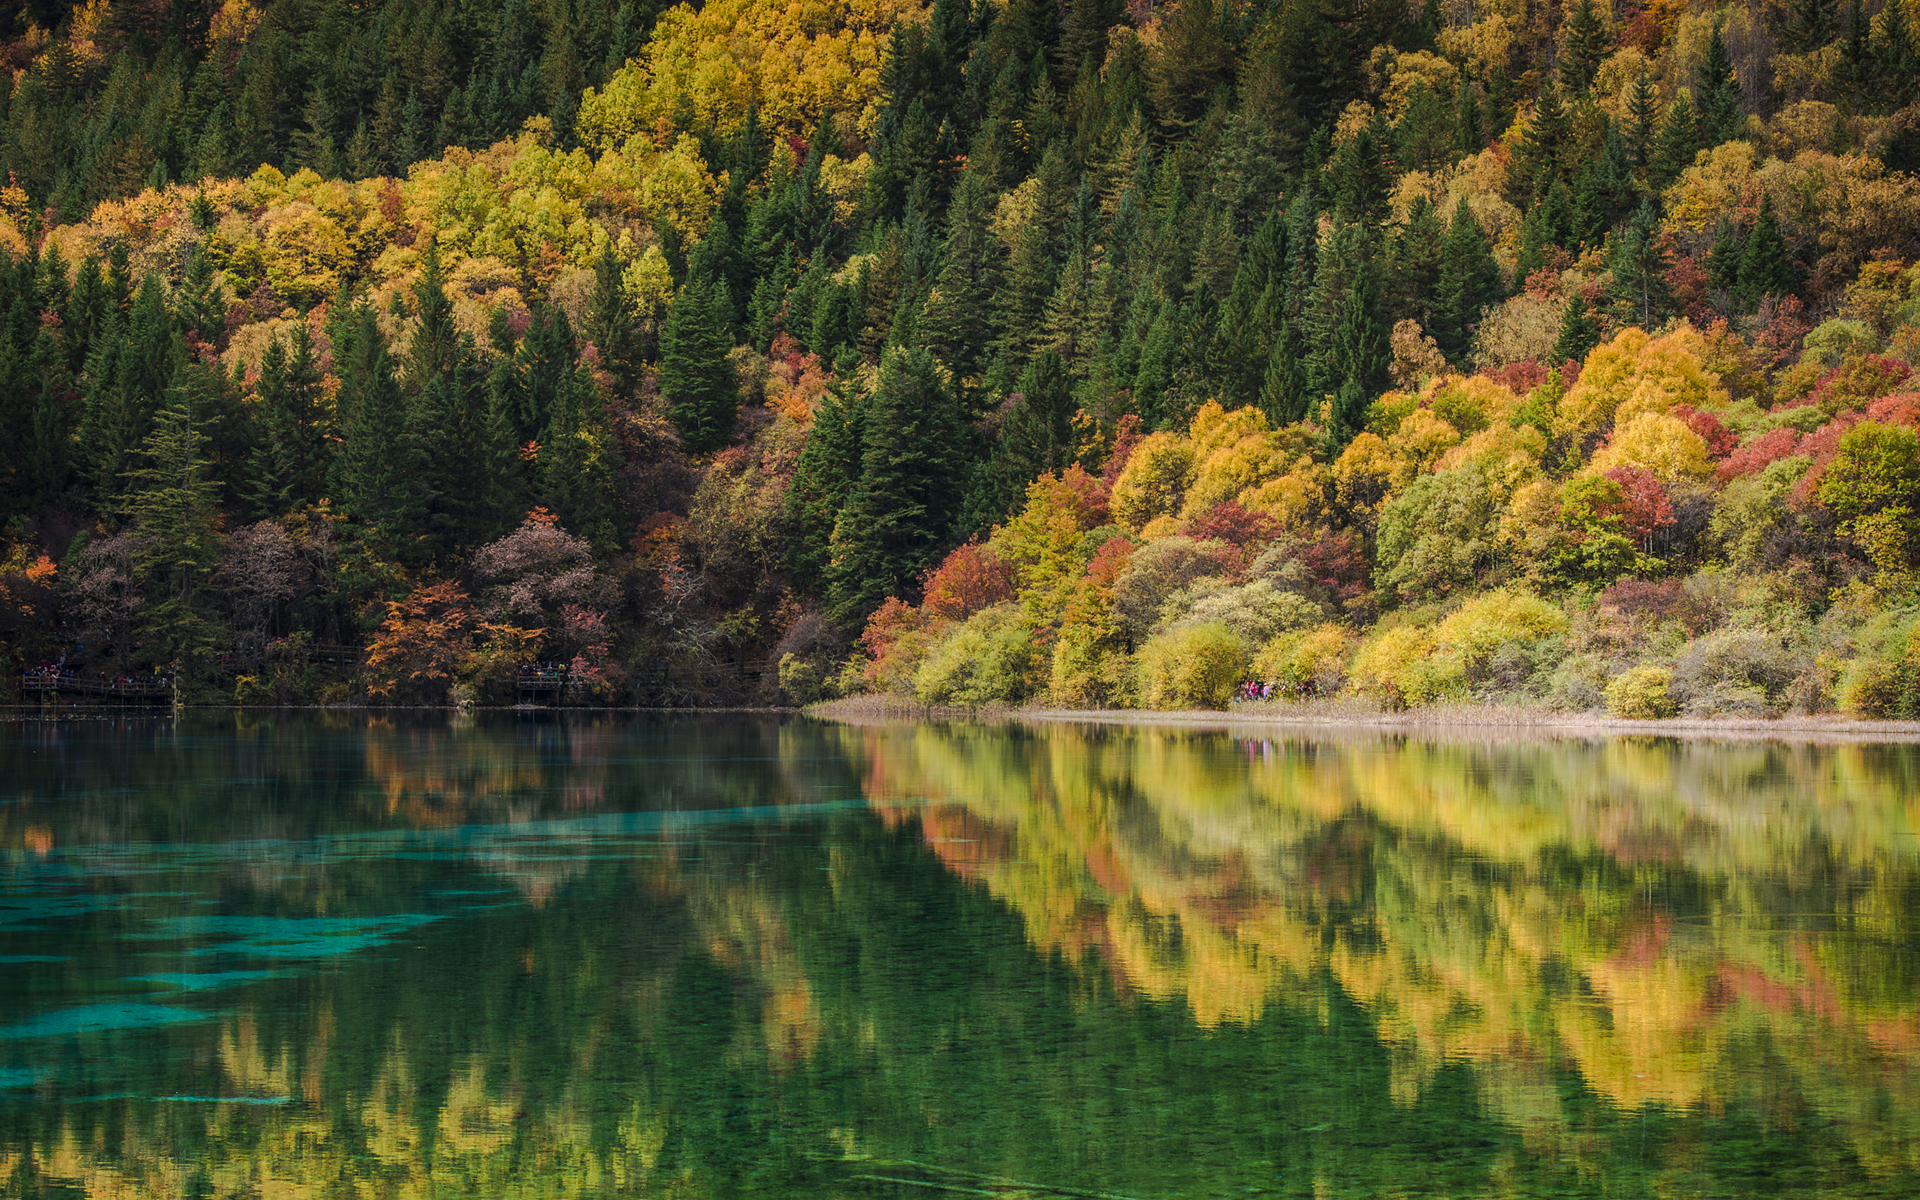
column 1646, row 912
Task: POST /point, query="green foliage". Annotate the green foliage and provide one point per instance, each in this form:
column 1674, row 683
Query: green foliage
column 1195, row 666
column 897, row 517
column 990, row 659
column 696, row 380
column 1641, row 694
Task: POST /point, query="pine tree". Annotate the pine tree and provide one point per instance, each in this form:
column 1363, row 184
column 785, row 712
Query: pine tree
column 1720, row 114
column 1469, row 281
column 613, row 324
column 375, row 475
column 172, row 502
column 1639, row 268
column 1674, row 148
column 1766, row 269
column 824, row 478
column 696, row 379
column 1642, row 121
column 1586, row 45
column 896, row 521
column 1579, row 332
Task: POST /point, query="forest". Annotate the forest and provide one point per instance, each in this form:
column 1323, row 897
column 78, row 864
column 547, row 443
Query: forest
column 1113, row 353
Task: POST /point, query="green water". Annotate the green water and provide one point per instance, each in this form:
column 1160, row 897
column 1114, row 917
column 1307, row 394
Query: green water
column 729, row 956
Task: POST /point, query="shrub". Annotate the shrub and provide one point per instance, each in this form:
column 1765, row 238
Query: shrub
column 1306, row 661
column 1385, row 666
column 1734, row 671
column 1256, row 611
column 1161, row 568
column 1197, row 666
column 991, row 659
column 1641, row 694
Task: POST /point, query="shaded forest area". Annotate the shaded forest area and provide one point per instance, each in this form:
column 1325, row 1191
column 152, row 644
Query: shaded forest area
column 1104, row 354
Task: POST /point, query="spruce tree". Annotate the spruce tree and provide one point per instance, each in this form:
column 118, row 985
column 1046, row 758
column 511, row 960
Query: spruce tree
column 1579, row 332
column 1639, row 269
column 580, row 463
column 1766, row 269
column 1536, row 161
column 1643, row 118
column 824, row 478
column 613, row 324
column 697, row 382
column 375, row 475
column 1469, row 282
column 1810, row 25
column 288, row 463
column 1720, row 113
column 1357, row 362
column 1675, row 146
column 172, row 500
column 1587, row 43
column 896, row 521
column 1723, row 259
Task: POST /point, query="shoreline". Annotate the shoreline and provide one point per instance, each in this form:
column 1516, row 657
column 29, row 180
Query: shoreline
column 1357, row 717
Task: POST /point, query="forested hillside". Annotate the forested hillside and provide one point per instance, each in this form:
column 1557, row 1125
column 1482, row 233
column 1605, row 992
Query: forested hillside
column 1110, row 353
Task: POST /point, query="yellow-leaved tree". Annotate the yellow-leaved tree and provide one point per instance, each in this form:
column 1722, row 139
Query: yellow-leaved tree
column 796, row 62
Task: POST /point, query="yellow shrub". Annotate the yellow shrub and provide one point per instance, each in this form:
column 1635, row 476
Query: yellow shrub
column 1316, row 656
column 1641, row 694
column 1197, row 666
column 1385, row 665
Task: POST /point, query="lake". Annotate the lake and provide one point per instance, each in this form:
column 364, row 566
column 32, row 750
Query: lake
column 522, row 955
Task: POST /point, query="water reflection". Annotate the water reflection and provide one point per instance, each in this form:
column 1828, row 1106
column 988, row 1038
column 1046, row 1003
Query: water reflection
column 728, row 956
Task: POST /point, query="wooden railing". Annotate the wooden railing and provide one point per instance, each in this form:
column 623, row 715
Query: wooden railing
column 81, row 685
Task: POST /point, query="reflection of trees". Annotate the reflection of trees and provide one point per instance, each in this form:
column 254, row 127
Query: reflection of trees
column 1680, row 922
column 1291, row 934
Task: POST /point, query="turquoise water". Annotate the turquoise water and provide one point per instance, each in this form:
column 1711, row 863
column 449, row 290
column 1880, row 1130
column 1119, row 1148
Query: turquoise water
column 737, row 956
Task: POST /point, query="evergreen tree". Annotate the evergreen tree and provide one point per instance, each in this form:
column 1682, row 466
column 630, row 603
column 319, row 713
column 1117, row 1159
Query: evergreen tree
column 613, row 324
column 1579, row 332
column 1723, row 259
column 1766, row 269
column 956, row 325
column 696, row 379
column 1413, row 271
column 1357, row 361
column 824, row 478
column 1587, row 43
column 172, row 502
column 579, row 464
column 1896, row 59
column 1037, row 436
column 896, row 521
column 375, row 474
column 288, row 464
column 1639, row 268
column 1536, row 160
column 1810, row 25
column 1469, row 281
column 1720, row 113
column 1674, row 148
column 1642, row 121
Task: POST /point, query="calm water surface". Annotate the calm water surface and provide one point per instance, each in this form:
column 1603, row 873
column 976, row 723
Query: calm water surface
column 341, row 957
